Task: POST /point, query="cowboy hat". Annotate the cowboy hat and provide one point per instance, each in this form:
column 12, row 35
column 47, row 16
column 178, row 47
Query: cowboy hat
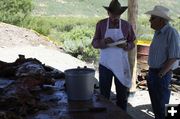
column 160, row 11
column 115, row 7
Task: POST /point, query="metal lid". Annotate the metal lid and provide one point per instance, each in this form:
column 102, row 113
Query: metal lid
column 79, row 71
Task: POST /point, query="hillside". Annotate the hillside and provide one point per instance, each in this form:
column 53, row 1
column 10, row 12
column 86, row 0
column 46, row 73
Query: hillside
column 69, row 7
column 13, row 36
column 93, row 7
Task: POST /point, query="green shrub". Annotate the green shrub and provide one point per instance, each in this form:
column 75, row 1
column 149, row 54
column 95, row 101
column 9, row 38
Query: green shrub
column 77, row 42
column 38, row 24
column 15, row 11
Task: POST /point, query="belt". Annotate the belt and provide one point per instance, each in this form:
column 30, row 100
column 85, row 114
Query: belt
column 155, row 69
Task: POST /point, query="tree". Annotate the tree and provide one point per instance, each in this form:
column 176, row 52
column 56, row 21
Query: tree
column 15, row 11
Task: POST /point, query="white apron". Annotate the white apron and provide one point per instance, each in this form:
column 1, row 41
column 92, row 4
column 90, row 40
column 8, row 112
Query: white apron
column 116, row 59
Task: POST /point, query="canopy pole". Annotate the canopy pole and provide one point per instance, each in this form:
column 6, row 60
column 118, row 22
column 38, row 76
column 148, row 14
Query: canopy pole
column 132, row 18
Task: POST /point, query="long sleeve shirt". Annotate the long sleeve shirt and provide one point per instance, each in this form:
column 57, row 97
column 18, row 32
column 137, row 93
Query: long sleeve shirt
column 101, row 30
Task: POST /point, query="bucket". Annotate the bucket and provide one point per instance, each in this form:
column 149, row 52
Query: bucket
column 79, row 83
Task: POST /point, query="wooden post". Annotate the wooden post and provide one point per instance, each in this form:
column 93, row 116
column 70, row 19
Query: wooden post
column 132, row 18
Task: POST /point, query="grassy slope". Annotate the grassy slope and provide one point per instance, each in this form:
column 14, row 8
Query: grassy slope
column 94, row 7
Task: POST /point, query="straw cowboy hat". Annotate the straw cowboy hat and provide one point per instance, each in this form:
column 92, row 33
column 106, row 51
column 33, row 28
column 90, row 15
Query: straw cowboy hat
column 115, row 7
column 160, row 11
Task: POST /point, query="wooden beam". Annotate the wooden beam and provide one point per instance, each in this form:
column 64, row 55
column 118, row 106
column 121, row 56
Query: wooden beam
column 132, row 18
column 133, row 13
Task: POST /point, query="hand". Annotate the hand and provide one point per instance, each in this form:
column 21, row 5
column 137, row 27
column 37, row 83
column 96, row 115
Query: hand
column 108, row 40
column 104, row 42
column 124, row 46
column 160, row 74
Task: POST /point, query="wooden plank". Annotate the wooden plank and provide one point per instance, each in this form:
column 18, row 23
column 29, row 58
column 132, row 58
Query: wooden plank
column 111, row 112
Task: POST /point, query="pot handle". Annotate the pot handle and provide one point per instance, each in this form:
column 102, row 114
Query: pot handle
column 80, row 67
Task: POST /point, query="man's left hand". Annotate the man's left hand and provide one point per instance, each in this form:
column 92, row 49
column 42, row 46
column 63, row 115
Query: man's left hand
column 124, row 46
column 161, row 73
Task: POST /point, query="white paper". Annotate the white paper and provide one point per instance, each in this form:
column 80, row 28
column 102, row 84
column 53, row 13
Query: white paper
column 116, row 43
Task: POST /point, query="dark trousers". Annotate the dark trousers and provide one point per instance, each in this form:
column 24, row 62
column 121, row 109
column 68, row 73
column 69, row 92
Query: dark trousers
column 105, row 82
column 159, row 92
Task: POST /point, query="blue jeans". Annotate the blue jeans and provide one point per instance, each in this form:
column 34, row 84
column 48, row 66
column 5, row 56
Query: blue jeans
column 159, row 92
column 105, row 82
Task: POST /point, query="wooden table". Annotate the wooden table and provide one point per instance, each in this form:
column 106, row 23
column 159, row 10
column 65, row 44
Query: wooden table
column 62, row 108
column 111, row 112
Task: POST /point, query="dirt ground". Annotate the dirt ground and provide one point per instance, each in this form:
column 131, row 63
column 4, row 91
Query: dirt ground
column 15, row 40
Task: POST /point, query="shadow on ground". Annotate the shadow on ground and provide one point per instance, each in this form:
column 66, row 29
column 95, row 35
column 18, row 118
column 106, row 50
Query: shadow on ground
column 140, row 112
column 137, row 112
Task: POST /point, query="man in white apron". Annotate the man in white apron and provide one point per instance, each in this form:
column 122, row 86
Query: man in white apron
column 113, row 60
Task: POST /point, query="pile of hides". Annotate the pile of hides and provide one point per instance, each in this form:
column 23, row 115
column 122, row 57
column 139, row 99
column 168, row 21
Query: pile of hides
column 20, row 85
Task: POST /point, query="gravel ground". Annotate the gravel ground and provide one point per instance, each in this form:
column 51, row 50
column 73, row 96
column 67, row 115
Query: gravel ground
column 140, row 105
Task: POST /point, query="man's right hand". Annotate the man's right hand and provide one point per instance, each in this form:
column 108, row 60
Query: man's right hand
column 105, row 41
column 108, row 40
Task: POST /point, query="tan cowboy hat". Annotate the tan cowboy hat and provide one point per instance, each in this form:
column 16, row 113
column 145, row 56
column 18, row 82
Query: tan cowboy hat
column 160, row 11
column 115, row 7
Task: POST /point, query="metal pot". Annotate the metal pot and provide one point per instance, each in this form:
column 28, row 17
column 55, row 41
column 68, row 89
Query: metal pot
column 80, row 83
